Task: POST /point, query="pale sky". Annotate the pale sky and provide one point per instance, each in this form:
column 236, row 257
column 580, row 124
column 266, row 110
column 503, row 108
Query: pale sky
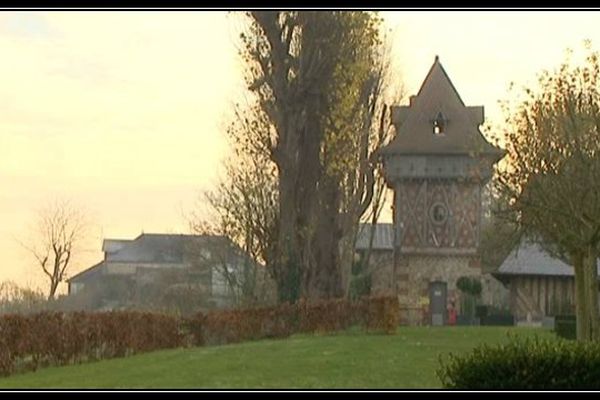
column 124, row 112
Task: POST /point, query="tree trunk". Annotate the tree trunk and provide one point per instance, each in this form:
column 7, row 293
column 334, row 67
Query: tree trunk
column 580, row 299
column 347, row 253
column 591, row 285
column 311, row 186
column 325, row 270
column 286, row 266
column 299, row 177
column 53, row 287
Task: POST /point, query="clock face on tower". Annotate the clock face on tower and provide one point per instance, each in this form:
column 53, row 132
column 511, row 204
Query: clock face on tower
column 438, row 213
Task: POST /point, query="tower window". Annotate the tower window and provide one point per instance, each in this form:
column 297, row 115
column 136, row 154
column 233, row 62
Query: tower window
column 439, row 124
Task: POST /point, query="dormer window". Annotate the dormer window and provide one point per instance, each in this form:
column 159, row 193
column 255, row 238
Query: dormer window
column 439, row 124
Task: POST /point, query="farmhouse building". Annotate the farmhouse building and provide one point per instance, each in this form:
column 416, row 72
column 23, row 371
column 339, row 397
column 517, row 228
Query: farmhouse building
column 142, row 271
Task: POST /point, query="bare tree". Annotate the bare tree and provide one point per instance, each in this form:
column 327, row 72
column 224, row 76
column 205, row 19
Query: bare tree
column 17, row 299
column 59, row 229
column 236, row 278
column 242, row 211
column 551, row 179
column 500, row 233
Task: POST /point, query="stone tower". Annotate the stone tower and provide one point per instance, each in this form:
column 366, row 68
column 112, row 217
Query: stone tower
column 436, row 164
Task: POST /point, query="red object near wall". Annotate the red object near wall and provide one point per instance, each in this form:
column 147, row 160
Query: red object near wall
column 451, row 316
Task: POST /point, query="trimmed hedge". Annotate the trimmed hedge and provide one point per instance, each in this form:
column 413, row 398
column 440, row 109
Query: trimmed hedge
column 28, row 342
column 376, row 314
column 498, row 320
column 565, row 326
column 541, row 364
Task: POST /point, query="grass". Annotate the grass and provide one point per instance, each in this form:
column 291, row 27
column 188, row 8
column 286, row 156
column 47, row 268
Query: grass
column 349, row 360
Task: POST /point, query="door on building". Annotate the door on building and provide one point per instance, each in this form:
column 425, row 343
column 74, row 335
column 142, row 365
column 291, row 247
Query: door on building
column 437, row 303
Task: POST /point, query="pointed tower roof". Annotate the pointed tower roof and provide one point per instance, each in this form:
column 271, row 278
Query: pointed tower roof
column 438, row 122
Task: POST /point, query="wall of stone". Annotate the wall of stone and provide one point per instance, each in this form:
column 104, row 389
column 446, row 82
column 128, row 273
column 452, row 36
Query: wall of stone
column 422, row 270
column 412, row 277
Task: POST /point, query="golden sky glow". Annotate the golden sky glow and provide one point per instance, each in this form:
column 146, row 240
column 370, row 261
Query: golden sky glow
column 124, row 112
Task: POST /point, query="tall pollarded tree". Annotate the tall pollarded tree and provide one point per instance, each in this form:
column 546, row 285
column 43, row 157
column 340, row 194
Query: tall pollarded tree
column 318, row 78
column 552, row 174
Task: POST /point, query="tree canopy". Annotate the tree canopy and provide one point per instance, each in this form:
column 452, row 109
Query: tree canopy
column 550, row 181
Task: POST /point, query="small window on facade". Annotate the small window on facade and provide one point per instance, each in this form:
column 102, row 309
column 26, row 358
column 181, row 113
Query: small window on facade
column 439, row 124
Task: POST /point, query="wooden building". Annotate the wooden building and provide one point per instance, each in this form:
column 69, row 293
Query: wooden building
column 539, row 284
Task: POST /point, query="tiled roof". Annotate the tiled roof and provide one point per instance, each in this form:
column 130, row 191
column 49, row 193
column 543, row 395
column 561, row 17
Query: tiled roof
column 383, row 239
column 87, row 273
column 414, row 123
column 531, row 259
column 149, row 248
column 159, row 248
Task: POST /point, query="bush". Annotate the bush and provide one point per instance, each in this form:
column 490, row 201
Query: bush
column 376, row 314
column 495, row 316
column 237, row 325
column 565, row 326
column 498, row 320
column 481, row 311
column 469, row 285
column 549, row 364
column 15, row 299
column 470, row 288
column 28, row 342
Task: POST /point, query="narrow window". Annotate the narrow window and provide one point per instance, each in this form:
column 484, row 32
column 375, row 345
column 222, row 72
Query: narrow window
column 439, row 123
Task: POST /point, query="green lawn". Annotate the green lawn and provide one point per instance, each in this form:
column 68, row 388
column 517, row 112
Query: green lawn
column 407, row 359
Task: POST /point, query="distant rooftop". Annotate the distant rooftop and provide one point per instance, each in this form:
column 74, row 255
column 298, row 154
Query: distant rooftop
column 153, row 247
column 531, row 259
column 383, row 239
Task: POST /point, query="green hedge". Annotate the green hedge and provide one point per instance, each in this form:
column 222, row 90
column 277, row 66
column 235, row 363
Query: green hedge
column 565, row 326
column 498, row 320
column 541, row 364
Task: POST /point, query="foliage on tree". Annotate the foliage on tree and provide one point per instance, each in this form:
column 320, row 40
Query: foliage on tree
column 470, row 288
column 240, row 230
column 551, row 178
column 316, row 80
column 469, row 285
column 499, row 235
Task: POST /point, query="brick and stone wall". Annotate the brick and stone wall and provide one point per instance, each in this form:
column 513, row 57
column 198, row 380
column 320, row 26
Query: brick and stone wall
column 411, row 279
column 416, row 272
